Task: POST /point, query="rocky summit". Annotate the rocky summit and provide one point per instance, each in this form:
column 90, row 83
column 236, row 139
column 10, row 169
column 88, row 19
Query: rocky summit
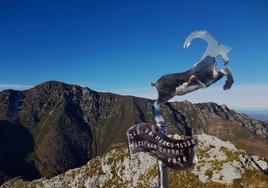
column 54, row 127
column 220, row 164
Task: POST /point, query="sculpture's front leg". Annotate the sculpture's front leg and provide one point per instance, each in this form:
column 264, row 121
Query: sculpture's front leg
column 229, row 82
column 194, row 79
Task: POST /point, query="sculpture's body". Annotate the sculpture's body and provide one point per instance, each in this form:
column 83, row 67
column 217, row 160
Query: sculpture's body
column 201, row 75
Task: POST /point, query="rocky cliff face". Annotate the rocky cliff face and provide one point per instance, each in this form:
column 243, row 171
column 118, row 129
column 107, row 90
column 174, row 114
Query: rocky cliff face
column 54, row 126
column 220, row 164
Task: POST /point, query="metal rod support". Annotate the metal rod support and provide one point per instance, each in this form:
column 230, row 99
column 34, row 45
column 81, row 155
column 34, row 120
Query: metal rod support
column 162, row 167
column 163, row 175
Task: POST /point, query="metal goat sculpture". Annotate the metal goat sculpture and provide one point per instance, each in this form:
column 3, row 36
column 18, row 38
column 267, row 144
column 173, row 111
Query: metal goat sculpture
column 200, row 75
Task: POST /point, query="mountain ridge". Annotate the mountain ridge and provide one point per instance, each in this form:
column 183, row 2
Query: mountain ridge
column 68, row 125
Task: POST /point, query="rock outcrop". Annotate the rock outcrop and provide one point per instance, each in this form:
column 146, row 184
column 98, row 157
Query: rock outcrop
column 220, row 164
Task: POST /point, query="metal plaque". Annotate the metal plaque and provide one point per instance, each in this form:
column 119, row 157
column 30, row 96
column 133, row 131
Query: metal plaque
column 177, row 154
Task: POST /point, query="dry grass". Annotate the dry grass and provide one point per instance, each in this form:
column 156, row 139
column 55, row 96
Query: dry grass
column 254, row 146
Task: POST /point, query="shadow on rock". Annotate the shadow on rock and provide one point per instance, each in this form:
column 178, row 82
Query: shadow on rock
column 15, row 144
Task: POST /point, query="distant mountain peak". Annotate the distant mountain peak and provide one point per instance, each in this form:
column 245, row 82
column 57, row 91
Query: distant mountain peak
column 52, row 84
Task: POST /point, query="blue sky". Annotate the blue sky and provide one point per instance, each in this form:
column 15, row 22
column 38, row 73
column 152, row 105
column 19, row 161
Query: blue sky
column 120, row 46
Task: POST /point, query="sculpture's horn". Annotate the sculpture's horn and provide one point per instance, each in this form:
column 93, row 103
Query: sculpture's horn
column 214, row 48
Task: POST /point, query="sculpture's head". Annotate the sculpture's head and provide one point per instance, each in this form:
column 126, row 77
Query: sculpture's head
column 223, row 52
column 214, row 48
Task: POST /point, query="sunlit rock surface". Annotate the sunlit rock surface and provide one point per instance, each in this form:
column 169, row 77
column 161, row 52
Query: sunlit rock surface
column 220, row 164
